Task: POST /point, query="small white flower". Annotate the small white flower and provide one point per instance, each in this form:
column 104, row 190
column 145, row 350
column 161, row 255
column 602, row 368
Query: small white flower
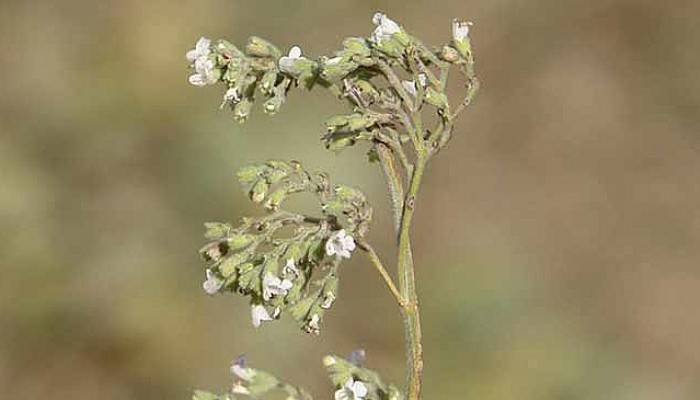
column 274, row 286
column 313, row 324
column 242, row 372
column 204, row 66
column 286, row 63
column 460, row 30
column 410, row 86
column 230, row 97
column 213, row 284
column 259, row 314
column 328, row 300
column 204, row 72
column 351, row 390
column 341, row 244
column 201, row 49
column 238, row 388
column 290, row 268
column 385, row 27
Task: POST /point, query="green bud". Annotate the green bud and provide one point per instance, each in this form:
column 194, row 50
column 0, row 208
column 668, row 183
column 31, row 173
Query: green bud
column 267, row 83
column 449, row 54
column 240, row 241
column 259, row 47
column 241, row 111
column 273, row 104
column 337, row 68
column 391, row 47
column 334, row 122
column 361, row 121
column 250, row 173
column 366, row 89
column 216, row 230
column 258, row 191
column 438, row 99
column 340, row 144
column 228, row 49
column 356, row 47
column 275, row 175
column 275, row 198
column 227, row 268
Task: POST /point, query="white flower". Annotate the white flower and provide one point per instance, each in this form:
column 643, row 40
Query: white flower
column 340, row 243
column 385, row 27
column 410, row 86
column 213, row 284
column 204, row 66
column 230, row 97
column 274, row 286
column 201, row 50
column 290, row 268
column 259, row 314
column 351, row 390
column 460, row 30
column 313, row 324
column 286, row 63
column 328, row 300
column 242, row 372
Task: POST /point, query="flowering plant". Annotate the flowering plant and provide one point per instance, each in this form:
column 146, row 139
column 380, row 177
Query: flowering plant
column 389, row 80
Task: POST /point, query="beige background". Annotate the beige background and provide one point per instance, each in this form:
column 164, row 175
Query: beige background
column 556, row 240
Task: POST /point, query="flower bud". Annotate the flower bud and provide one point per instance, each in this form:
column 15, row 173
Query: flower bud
column 449, row 54
column 337, row 68
column 460, row 37
column 436, row 98
column 261, row 48
column 267, row 83
column 242, row 110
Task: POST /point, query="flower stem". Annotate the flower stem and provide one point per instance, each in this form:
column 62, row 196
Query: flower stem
column 382, row 271
column 407, row 286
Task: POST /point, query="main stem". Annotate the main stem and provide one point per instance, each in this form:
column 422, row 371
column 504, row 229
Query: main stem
column 407, row 286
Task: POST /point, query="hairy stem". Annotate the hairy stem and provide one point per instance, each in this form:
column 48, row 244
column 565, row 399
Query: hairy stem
column 407, row 285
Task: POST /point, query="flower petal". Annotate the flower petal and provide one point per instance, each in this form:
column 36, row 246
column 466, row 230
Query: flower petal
column 295, row 52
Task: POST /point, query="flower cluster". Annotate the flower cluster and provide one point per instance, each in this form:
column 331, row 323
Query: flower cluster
column 296, row 273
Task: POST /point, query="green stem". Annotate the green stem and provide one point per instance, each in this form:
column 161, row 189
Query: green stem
column 407, row 285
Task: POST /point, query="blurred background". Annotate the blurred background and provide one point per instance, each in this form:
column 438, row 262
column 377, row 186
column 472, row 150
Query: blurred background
column 556, row 239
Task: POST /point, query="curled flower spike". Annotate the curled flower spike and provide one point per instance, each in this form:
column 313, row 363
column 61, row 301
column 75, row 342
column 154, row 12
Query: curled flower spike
column 213, row 284
column 385, row 27
column 351, row 390
column 259, row 314
column 341, row 244
column 274, row 286
column 286, row 63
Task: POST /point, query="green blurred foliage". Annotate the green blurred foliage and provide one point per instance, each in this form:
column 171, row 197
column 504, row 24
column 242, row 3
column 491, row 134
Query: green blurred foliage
column 556, row 239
